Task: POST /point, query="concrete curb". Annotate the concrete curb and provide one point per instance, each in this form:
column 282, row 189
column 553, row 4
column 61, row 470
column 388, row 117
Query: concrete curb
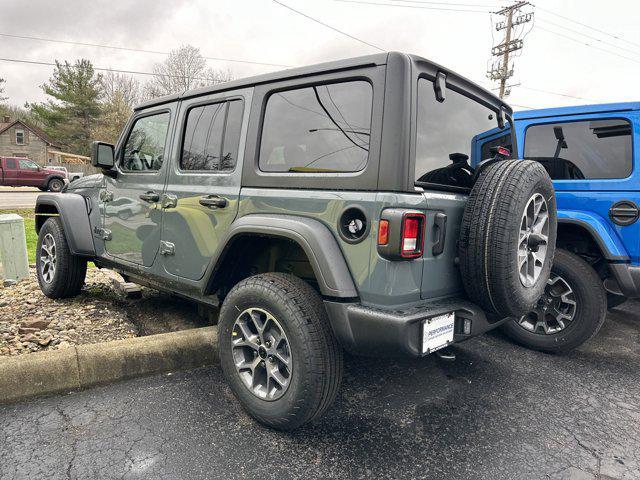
column 84, row 366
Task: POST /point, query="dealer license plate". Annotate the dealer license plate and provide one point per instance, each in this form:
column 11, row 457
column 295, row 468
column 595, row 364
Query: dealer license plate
column 437, row 332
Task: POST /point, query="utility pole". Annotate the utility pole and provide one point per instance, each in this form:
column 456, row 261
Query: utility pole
column 502, row 70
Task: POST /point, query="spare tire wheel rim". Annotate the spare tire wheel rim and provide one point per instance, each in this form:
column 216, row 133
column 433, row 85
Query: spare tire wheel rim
column 555, row 310
column 261, row 353
column 533, row 240
column 48, row 258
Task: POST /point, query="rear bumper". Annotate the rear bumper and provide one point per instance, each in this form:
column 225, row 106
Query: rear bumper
column 628, row 279
column 369, row 330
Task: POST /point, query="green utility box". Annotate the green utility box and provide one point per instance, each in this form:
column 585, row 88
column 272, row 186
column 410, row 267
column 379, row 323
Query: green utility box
column 14, row 264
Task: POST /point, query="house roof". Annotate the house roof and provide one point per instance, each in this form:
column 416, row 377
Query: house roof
column 35, row 130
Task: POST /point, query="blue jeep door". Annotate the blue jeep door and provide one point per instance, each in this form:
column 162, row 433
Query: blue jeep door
column 590, row 158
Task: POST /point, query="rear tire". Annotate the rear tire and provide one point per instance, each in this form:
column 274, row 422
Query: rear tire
column 55, row 185
column 508, row 237
column 60, row 273
column 297, row 315
column 588, row 314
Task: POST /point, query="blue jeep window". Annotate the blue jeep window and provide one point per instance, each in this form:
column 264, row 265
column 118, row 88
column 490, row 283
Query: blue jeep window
column 323, row 128
column 211, row 137
column 592, row 149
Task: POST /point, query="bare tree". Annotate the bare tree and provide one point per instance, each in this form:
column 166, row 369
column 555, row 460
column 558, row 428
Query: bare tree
column 120, row 93
column 184, row 69
column 121, row 87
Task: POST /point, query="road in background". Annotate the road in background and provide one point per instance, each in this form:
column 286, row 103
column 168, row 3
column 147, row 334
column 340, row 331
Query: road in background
column 498, row 412
column 18, row 198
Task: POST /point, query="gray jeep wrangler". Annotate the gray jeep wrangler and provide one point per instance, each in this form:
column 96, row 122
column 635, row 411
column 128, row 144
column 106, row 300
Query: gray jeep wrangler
column 321, row 208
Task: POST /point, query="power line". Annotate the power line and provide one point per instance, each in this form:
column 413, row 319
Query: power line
column 396, row 5
column 101, row 69
column 604, row 32
column 448, row 3
column 329, row 26
column 129, row 49
column 558, row 94
column 635, row 52
column 587, row 44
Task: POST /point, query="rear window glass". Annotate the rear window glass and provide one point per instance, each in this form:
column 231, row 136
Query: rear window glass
column 211, row 137
column 323, row 128
column 592, row 149
column 446, row 133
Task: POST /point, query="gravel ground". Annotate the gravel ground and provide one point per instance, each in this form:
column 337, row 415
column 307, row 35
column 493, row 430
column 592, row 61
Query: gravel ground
column 31, row 322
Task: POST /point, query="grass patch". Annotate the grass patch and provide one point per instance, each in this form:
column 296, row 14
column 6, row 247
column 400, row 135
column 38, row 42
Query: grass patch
column 30, row 231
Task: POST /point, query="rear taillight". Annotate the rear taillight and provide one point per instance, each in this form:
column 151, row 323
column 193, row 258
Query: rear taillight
column 412, row 237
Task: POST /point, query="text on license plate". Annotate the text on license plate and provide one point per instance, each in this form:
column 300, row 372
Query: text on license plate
column 437, row 332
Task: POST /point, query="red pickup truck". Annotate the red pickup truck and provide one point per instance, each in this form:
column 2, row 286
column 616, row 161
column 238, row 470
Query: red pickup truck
column 22, row 172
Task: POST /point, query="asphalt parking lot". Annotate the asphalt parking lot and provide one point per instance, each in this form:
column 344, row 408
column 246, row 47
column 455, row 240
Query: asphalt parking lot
column 497, row 412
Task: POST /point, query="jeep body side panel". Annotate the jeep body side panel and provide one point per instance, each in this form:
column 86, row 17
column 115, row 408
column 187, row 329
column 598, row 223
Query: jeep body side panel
column 321, row 248
column 72, row 209
column 605, row 236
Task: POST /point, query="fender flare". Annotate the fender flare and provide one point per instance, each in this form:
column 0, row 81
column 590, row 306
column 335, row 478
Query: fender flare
column 315, row 239
column 602, row 233
column 72, row 210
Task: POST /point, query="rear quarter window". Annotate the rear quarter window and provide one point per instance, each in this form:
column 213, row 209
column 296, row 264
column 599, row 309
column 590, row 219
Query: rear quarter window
column 316, row 129
column 591, row 149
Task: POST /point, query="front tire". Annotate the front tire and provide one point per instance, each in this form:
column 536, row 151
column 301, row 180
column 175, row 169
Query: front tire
column 277, row 350
column 55, row 185
column 60, row 273
column 570, row 312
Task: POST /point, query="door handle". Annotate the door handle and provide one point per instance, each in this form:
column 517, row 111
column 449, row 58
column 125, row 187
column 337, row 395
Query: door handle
column 213, row 201
column 440, row 224
column 150, row 197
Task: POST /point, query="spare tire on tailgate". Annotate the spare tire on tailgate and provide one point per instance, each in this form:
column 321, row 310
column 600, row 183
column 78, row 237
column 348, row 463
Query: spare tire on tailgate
column 508, row 237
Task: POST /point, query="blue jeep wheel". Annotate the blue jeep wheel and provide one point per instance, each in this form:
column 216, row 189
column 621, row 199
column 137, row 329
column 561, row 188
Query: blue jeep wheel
column 570, row 312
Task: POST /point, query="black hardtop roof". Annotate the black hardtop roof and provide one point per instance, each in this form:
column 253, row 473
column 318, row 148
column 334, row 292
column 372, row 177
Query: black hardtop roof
column 327, row 67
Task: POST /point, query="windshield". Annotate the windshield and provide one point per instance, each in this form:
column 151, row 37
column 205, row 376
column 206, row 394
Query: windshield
column 446, row 135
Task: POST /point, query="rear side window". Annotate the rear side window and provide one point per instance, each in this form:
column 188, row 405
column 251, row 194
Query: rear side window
column 592, row 149
column 11, row 164
column 144, row 148
column 323, row 128
column 211, row 137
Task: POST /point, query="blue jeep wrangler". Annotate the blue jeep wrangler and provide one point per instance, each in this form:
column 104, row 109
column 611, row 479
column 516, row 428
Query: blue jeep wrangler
column 589, row 153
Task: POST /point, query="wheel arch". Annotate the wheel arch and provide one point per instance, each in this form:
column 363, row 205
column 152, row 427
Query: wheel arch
column 595, row 229
column 71, row 208
column 312, row 237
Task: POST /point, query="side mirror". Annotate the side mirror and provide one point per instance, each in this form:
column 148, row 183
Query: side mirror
column 102, row 155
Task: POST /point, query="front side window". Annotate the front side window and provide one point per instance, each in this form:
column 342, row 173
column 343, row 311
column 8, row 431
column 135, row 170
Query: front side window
column 27, row 164
column 211, row 137
column 592, row 149
column 19, row 137
column 317, row 129
column 445, row 136
column 144, row 148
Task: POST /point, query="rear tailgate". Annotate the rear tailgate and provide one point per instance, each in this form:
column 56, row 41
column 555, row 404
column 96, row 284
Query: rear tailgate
column 440, row 274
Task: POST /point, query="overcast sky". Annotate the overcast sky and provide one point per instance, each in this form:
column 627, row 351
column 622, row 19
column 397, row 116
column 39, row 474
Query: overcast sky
column 263, row 31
